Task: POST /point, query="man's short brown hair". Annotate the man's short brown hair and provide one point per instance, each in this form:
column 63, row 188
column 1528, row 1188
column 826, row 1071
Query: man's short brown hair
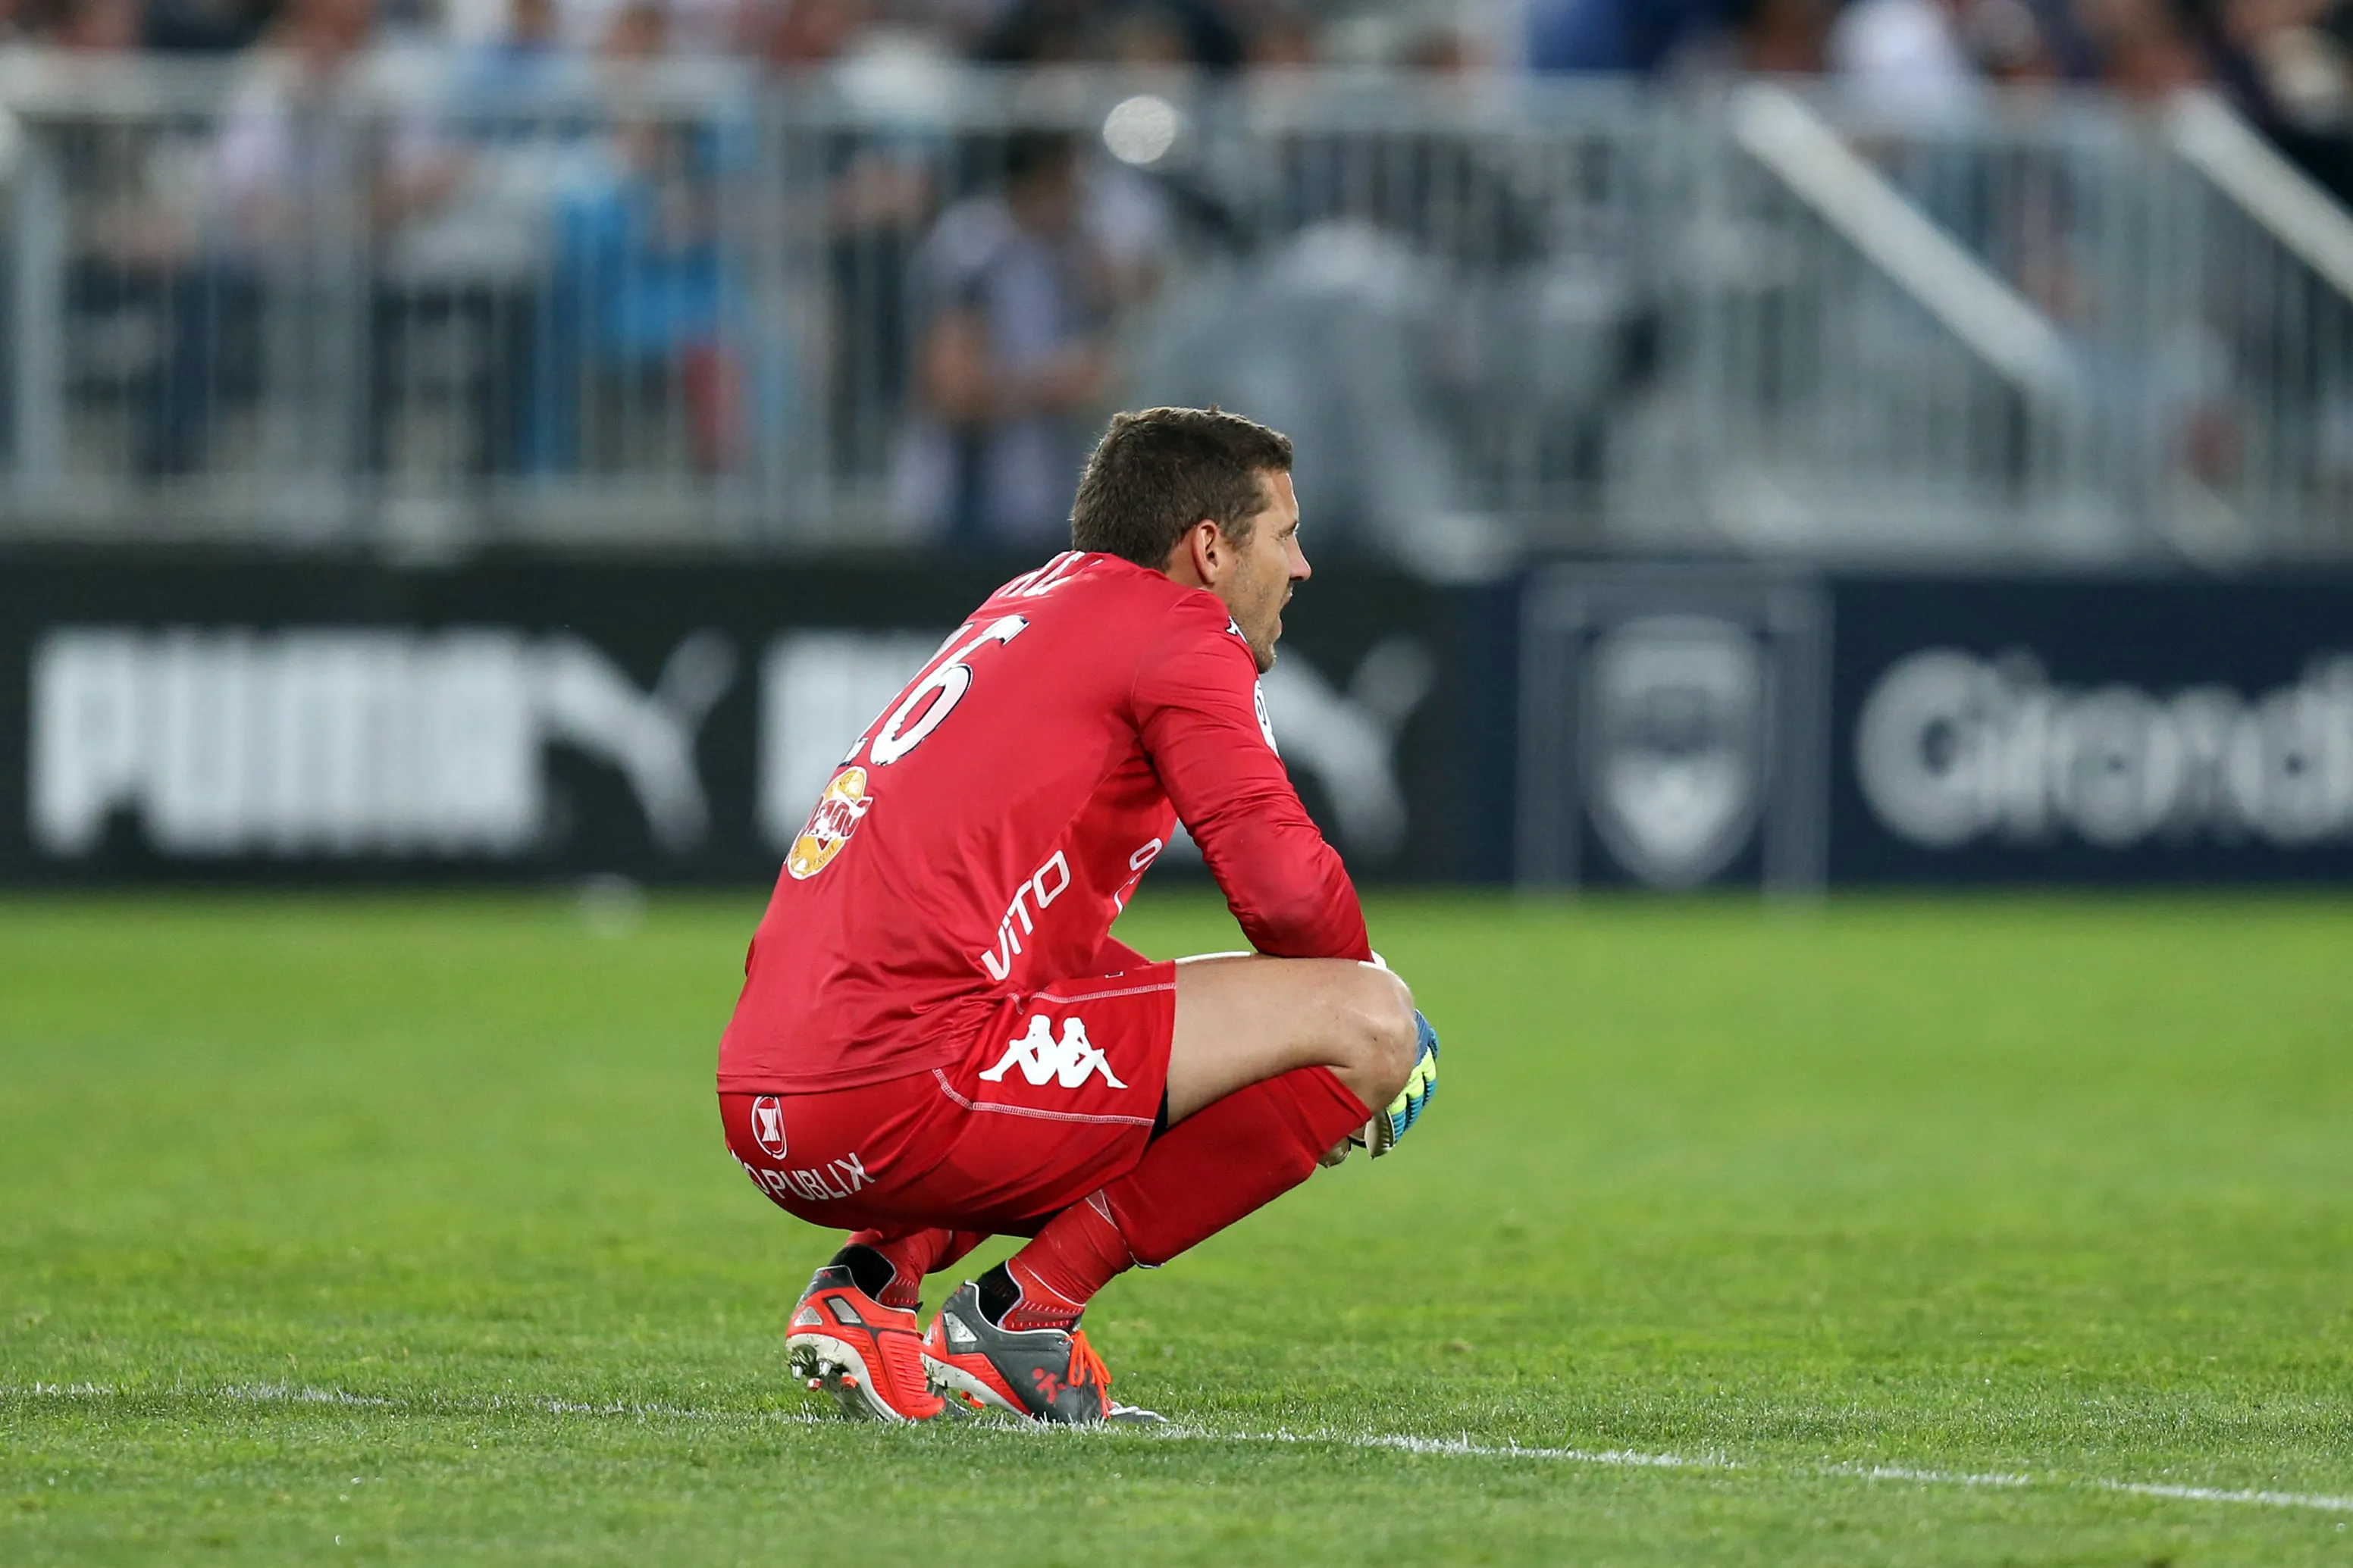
column 1156, row 474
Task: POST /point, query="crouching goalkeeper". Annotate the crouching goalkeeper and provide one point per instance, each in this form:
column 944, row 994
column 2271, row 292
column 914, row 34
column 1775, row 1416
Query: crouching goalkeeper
column 939, row 1040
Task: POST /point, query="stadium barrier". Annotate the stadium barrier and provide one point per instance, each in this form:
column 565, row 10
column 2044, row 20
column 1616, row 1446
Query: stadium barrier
column 438, row 302
column 176, row 716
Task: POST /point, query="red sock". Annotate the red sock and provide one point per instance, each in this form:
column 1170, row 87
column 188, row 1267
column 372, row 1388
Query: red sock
column 1074, row 1256
column 1207, row 1172
column 914, row 1253
column 1229, row 1159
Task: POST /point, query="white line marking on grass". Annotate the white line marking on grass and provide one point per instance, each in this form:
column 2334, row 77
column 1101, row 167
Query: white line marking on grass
column 1928, row 1477
column 2137, row 1489
column 1623, row 1457
column 1466, row 1448
column 1402, row 1443
column 281, row 1393
column 2211, row 1494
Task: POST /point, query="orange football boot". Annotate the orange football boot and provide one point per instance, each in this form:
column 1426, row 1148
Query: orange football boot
column 869, row 1357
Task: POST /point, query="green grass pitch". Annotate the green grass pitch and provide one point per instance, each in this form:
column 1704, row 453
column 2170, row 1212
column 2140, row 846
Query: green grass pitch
column 1903, row 1231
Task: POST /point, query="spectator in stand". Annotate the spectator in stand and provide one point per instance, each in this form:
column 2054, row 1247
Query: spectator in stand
column 874, row 199
column 2295, row 57
column 283, row 143
column 794, row 35
column 2012, row 41
column 687, row 27
column 1783, row 38
column 214, row 27
column 1619, row 37
column 1283, row 40
column 644, row 291
column 1934, row 55
column 1011, row 304
column 2146, row 49
column 100, row 26
column 529, row 61
column 467, row 246
column 1038, row 32
column 267, row 312
column 1904, row 54
column 1060, row 32
column 2293, row 65
column 136, row 227
column 1653, row 38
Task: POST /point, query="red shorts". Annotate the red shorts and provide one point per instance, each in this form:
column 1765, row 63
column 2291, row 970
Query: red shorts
column 1055, row 1093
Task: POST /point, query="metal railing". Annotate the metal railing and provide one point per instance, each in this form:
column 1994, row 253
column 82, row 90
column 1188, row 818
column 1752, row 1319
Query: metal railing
column 435, row 302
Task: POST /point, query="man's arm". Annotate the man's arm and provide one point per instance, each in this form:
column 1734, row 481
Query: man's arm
column 1195, row 703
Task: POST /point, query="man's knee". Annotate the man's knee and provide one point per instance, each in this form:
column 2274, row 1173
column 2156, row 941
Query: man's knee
column 1387, row 1035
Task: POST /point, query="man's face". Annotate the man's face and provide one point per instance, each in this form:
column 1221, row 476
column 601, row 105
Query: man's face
column 1265, row 570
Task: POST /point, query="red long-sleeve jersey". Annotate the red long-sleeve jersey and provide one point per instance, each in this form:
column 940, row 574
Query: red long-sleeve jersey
column 984, row 832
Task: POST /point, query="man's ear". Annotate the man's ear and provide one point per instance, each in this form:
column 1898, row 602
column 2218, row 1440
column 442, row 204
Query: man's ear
column 1206, row 542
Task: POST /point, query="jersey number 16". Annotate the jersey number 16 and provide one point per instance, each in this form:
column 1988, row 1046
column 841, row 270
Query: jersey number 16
column 931, row 698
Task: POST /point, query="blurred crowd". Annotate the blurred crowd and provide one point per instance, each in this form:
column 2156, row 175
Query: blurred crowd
column 554, row 289
column 2287, row 61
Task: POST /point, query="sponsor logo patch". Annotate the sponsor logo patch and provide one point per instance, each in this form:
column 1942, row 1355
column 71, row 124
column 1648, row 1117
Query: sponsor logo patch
column 837, row 816
column 769, row 1126
column 1035, row 892
column 817, row 1184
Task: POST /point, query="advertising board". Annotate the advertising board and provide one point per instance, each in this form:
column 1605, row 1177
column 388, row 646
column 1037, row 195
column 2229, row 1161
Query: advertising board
column 206, row 715
column 2120, row 730
column 1700, row 724
column 210, row 715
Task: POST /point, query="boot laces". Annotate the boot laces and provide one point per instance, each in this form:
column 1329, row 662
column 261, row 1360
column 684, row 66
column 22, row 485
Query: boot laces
column 1087, row 1366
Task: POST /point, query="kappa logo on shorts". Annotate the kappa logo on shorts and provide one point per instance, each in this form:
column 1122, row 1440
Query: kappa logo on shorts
column 1039, row 1055
column 769, row 1126
column 837, row 816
